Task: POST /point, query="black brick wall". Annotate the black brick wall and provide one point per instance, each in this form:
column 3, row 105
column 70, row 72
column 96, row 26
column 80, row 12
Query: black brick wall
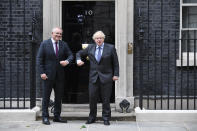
column 16, row 18
column 157, row 58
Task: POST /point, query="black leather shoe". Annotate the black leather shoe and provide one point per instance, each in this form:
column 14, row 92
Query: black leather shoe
column 106, row 123
column 59, row 119
column 45, row 120
column 90, row 121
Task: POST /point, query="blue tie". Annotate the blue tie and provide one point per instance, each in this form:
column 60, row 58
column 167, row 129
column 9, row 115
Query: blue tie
column 99, row 54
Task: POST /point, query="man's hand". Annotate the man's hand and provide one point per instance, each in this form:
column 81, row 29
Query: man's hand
column 43, row 76
column 64, row 63
column 115, row 78
column 80, row 63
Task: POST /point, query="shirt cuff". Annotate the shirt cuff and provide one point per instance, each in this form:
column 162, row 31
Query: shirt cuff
column 67, row 61
column 78, row 61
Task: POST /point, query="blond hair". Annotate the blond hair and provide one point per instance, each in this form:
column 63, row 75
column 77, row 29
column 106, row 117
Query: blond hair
column 98, row 34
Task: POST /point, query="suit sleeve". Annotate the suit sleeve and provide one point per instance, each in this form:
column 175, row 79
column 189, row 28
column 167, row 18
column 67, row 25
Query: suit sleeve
column 115, row 62
column 40, row 59
column 82, row 53
column 69, row 54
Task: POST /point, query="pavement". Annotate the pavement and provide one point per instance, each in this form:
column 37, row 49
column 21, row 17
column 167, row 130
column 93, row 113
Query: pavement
column 78, row 125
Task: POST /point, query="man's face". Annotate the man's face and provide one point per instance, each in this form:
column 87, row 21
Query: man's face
column 57, row 34
column 99, row 40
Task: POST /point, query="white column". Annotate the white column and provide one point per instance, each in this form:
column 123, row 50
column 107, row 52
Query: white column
column 51, row 16
column 124, row 35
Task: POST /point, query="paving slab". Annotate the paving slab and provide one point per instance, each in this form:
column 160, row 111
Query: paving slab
column 191, row 126
column 79, row 125
column 70, row 126
column 161, row 126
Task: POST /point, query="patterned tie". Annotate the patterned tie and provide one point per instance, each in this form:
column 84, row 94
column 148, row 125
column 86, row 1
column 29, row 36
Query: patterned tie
column 99, row 54
column 56, row 49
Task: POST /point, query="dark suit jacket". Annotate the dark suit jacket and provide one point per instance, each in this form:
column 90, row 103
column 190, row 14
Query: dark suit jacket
column 106, row 68
column 47, row 61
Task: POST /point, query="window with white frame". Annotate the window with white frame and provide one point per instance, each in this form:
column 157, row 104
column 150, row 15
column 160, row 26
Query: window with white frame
column 188, row 31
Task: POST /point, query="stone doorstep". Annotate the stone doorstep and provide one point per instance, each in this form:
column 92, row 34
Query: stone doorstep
column 81, row 112
column 18, row 114
column 165, row 115
column 77, row 113
column 83, row 107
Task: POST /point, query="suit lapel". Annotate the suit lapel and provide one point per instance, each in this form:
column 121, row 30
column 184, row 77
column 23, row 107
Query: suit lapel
column 104, row 52
column 93, row 52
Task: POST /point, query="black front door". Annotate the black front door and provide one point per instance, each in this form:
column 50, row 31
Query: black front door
column 79, row 22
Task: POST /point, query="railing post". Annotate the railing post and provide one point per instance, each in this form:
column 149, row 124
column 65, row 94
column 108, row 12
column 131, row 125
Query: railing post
column 33, row 76
column 140, row 41
column 33, row 64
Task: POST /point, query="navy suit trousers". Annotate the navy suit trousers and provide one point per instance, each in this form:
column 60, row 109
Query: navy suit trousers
column 104, row 90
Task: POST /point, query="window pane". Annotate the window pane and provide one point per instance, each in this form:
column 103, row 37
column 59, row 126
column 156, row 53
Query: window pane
column 189, row 17
column 189, row 1
column 188, row 41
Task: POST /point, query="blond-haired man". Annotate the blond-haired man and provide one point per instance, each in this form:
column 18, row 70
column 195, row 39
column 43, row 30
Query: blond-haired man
column 104, row 69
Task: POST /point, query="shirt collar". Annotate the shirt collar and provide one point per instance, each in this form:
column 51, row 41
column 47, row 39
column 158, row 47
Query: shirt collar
column 53, row 41
column 100, row 46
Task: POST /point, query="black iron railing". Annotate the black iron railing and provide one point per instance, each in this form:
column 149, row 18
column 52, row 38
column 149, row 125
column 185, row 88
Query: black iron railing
column 164, row 57
column 17, row 72
column 167, row 71
column 19, row 35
